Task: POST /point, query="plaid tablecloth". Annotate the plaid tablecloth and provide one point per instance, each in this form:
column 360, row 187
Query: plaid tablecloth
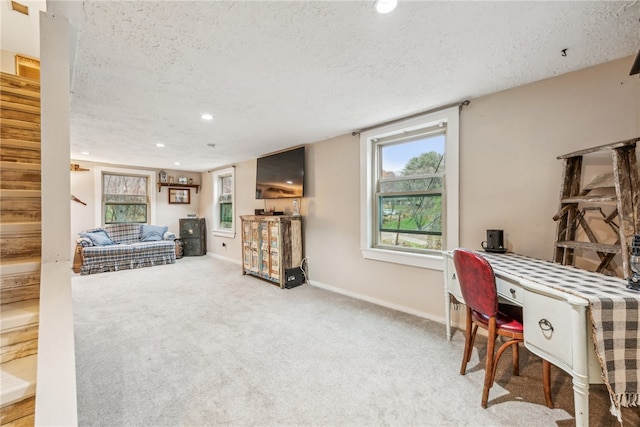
column 614, row 311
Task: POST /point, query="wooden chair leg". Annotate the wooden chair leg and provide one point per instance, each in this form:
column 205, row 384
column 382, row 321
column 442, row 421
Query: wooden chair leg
column 546, row 381
column 515, row 351
column 467, row 344
column 489, row 369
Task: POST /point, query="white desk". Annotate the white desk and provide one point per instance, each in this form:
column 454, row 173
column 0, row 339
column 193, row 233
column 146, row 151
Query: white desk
column 556, row 322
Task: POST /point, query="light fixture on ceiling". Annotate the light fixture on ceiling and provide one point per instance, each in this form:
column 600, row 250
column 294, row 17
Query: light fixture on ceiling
column 385, row 6
column 85, row 153
column 176, row 163
column 207, row 116
column 160, row 144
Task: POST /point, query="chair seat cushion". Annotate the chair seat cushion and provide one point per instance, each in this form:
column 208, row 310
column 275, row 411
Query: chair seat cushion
column 503, row 321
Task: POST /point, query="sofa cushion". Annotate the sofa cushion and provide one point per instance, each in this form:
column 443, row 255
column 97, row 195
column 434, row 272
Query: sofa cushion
column 125, row 233
column 98, row 238
column 150, row 233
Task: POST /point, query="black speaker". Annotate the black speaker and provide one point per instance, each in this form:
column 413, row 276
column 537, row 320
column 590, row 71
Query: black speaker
column 293, row 277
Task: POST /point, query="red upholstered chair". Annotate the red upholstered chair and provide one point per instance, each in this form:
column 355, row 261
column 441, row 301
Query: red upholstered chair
column 478, row 287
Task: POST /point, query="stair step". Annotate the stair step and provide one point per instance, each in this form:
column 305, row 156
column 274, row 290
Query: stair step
column 17, row 106
column 19, row 314
column 19, row 280
column 19, row 143
column 19, row 124
column 18, row 92
column 19, row 166
column 12, row 132
column 23, row 347
column 20, row 240
column 20, row 176
column 19, row 329
column 20, row 206
column 18, row 380
column 19, row 151
column 18, row 82
column 20, row 155
column 20, row 414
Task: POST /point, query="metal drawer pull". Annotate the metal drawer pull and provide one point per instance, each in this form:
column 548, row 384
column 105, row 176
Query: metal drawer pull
column 513, row 292
column 545, row 325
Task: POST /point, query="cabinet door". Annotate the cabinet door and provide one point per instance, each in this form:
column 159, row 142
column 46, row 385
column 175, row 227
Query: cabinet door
column 193, row 247
column 254, row 235
column 254, row 260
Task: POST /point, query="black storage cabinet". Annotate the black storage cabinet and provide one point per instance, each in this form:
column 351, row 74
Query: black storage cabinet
column 193, row 232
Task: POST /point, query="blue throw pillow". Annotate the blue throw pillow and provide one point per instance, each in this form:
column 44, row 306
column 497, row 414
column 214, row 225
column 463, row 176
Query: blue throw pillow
column 99, row 238
column 151, row 233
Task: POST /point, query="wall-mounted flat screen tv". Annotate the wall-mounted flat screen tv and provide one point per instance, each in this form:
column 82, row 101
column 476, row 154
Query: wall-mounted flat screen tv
column 280, row 175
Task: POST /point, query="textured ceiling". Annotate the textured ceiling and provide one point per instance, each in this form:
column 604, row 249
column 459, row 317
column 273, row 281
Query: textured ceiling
column 276, row 74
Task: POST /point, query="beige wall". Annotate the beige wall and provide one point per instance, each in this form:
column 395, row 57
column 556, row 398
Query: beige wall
column 510, row 179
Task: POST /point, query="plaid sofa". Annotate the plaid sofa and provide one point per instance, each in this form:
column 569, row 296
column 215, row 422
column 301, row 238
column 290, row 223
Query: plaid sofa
column 128, row 253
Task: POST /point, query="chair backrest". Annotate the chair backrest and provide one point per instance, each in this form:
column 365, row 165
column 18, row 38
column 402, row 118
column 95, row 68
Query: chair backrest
column 477, row 281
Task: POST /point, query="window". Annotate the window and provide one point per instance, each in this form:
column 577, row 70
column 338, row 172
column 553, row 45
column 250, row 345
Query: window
column 409, row 190
column 223, row 202
column 410, row 183
column 124, row 198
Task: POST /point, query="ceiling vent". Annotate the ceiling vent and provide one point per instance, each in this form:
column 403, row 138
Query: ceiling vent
column 20, row 8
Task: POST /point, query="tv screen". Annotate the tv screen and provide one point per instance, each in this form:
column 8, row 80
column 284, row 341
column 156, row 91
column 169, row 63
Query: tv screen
column 280, row 175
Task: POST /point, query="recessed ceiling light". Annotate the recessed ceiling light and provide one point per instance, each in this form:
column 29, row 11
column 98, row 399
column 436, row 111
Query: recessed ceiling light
column 176, row 163
column 207, row 116
column 385, row 6
column 160, row 144
column 85, row 153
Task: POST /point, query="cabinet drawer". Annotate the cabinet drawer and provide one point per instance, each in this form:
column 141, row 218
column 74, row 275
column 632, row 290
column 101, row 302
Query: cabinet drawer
column 547, row 325
column 510, row 290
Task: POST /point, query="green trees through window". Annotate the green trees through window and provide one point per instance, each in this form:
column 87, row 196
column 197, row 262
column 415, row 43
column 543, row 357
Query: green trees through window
column 125, row 198
column 410, row 192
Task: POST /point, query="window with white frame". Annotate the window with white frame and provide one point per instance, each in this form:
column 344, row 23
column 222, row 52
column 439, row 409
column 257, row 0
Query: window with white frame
column 223, row 201
column 125, row 198
column 409, row 214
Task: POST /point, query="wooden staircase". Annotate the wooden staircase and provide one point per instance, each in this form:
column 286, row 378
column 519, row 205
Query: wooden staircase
column 20, row 246
column 621, row 187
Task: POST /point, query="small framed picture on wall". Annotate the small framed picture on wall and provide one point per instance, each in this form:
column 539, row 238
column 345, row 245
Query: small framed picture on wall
column 180, row 196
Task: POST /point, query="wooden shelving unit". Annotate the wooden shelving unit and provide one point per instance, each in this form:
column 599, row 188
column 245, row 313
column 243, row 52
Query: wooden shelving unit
column 174, row 185
column 621, row 187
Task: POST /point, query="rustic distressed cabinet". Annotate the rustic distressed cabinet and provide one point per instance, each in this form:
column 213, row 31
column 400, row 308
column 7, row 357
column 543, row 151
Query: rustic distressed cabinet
column 271, row 245
column 193, row 232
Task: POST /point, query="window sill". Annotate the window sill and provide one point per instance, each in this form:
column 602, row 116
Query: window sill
column 431, row 262
column 222, row 233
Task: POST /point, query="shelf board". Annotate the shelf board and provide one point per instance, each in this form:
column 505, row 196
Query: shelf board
column 174, row 185
column 590, row 246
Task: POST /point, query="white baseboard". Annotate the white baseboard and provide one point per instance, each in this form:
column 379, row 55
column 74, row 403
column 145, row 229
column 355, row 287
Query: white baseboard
column 378, row 301
column 233, row 260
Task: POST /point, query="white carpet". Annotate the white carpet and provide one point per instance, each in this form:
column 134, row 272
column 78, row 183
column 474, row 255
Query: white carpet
column 197, row 343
